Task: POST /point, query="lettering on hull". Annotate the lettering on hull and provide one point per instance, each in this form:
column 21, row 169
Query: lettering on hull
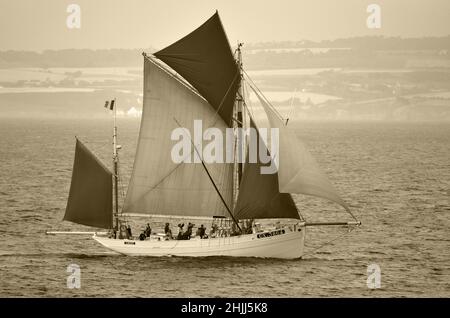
column 270, row 234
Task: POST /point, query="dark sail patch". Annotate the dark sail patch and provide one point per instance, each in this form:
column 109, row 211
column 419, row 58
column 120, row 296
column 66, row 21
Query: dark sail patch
column 259, row 196
column 204, row 58
column 90, row 196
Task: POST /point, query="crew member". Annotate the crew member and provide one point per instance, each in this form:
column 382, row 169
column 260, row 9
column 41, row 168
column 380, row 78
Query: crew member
column 148, row 230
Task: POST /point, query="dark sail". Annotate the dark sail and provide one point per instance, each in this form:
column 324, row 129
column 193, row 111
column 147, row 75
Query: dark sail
column 90, row 196
column 204, row 58
column 259, row 197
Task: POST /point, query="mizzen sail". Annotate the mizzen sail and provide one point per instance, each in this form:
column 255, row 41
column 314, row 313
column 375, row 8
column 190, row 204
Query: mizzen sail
column 158, row 184
column 204, row 58
column 90, row 196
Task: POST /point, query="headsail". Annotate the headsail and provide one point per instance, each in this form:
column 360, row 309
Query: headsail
column 298, row 171
column 90, row 196
column 158, row 184
column 204, row 58
column 259, row 197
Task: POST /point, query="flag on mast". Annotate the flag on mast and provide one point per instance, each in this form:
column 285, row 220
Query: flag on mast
column 110, row 104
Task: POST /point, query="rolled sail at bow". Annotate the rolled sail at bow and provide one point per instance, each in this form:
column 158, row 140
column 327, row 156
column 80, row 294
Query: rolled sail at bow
column 90, row 196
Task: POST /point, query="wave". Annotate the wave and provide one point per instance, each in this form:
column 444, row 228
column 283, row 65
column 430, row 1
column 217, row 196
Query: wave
column 61, row 254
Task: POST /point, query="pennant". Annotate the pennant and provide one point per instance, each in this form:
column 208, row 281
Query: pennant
column 111, row 105
column 106, row 104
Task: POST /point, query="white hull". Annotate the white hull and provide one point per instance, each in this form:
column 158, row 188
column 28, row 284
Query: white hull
column 281, row 243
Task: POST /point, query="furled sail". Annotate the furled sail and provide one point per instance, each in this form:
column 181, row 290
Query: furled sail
column 204, row 58
column 90, row 196
column 259, row 197
column 298, row 171
column 158, row 184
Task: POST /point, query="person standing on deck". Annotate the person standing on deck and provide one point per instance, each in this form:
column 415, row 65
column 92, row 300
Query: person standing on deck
column 180, row 231
column 168, row 231
column 148, row 230
column 129, row 234
column 201, row 231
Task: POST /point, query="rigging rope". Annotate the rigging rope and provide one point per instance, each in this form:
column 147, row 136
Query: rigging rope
column 257, row 90
column 252, row 84
column 329, row 242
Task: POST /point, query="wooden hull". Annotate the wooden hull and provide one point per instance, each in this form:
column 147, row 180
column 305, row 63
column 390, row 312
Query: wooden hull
column 282, row 243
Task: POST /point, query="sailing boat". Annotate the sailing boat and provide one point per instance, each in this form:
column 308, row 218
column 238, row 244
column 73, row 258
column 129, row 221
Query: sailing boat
column 200, row 78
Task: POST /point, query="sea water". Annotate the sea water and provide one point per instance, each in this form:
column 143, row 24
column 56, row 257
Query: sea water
column 395, row 177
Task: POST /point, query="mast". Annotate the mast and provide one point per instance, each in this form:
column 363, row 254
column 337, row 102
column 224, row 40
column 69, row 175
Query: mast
column 240, row 113
column 116, row 172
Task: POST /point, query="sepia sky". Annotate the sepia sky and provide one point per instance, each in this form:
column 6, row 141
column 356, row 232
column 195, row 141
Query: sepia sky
column 41, row 24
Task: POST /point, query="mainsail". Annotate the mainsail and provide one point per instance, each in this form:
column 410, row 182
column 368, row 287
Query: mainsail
column 90, row 196
column 161, row 186
column 204, row 58
column 259, row 197
column 158, row 184
column 298, row 171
